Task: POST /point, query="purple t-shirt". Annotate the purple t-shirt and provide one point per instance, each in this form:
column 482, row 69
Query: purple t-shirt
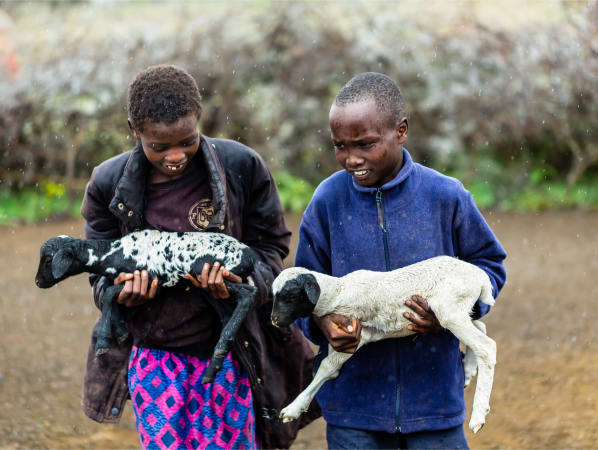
column 184, row 204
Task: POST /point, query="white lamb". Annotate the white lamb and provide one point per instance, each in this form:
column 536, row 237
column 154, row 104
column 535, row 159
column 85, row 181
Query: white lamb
column 450, row 286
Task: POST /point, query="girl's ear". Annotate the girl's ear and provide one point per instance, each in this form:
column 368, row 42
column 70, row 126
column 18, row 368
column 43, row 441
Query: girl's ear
column 134, row 132
column 402, row 129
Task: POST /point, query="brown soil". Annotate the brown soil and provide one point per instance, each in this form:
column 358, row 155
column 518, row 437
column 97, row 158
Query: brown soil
column 544, row 395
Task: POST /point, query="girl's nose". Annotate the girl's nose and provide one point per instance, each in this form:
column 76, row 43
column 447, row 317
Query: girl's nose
column 175, row 155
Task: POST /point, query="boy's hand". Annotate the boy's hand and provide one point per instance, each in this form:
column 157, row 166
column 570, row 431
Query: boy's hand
column 136, row 291
column 213, row 280
column 427, row 321
column 340, row 331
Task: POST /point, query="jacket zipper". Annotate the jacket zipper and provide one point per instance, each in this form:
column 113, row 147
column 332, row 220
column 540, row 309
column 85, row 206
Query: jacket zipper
column 382, row 221
column 398, row 399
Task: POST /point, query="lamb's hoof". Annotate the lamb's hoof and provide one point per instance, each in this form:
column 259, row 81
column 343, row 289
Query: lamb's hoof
column 467, row 381
column 287, row 419
column 289, row 414
column 476, row 426
column 210, row 374
column 101, row 351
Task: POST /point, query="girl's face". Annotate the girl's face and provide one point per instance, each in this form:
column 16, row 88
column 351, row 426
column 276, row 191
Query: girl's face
column 169, row 147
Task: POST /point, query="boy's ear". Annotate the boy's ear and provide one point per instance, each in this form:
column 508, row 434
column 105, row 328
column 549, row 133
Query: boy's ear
column 61, row 263
column 402, row 129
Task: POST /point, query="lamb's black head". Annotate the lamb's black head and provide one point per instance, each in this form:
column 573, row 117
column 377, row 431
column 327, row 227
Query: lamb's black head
column 56, row 261
column 296, row 292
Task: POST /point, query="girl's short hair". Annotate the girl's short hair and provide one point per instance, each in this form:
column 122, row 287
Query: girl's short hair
column 162, row 93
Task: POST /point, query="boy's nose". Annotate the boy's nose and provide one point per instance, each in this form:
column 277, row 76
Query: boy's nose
column 354, row 160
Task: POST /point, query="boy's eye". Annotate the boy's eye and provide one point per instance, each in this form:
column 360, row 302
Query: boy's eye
column 338, row 145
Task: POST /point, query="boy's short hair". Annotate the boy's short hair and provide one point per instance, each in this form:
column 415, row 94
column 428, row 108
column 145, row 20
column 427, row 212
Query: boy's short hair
column 162, row 93
column 378, row 87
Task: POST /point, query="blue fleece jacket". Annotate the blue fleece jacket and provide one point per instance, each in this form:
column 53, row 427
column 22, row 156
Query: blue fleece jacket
column 413, row 383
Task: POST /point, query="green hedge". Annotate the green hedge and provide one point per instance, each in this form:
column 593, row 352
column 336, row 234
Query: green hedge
column 491, row 106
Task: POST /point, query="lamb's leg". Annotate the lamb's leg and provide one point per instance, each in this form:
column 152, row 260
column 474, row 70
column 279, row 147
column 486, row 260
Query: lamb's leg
column 119, row 325
column 245, row 296
column 109, row 314
column 470, row 362
column 485, row 351
column 328, row 370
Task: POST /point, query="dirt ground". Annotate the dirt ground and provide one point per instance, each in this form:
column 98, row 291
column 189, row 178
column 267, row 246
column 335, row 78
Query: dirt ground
column 545, row 390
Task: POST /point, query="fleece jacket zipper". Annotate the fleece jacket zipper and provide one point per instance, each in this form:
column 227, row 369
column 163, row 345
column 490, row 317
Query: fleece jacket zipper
column 382, row 221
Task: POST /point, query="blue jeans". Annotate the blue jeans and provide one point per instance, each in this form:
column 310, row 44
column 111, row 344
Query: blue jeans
column 341, row 437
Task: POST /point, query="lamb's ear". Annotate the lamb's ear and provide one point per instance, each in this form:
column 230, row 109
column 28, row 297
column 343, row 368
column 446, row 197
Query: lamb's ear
column 311, row 286
column 61, row 262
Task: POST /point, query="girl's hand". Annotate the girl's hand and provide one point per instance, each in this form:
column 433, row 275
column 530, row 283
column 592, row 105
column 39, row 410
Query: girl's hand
column 427, row 321
column 136, row 291
column 213, row 280
column 342, row 332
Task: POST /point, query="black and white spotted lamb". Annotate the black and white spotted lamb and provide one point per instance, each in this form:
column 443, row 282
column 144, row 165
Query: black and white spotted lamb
column 450, row 286
column 166, row 256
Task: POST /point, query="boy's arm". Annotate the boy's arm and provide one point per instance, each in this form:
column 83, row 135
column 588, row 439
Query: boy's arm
column 476, row 243
column 313, row 253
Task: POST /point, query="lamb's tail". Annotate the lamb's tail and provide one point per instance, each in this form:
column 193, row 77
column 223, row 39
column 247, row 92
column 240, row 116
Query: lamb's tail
column 486, row 294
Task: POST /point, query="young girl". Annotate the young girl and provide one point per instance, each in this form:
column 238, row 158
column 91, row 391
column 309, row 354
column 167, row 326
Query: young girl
column 176, row 179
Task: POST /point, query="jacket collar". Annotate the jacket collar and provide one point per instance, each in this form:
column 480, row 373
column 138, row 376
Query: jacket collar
column 128, row 201
column 398, row 179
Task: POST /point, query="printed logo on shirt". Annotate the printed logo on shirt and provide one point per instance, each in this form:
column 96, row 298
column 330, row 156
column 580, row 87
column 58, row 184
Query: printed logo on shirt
column 201, row 213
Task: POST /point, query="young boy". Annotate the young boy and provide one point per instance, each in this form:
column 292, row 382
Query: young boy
column 177, row 179
column 381, row 213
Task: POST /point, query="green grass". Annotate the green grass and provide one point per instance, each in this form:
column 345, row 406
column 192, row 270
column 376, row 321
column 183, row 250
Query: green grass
column 557, row 195
column 37, row 204
column 50, row 200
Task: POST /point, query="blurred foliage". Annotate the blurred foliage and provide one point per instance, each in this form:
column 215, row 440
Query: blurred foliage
column 295, row 192
column 509, row 111
column 34, row 204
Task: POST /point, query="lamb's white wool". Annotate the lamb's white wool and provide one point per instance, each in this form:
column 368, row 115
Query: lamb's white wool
column 172, row 254
column 92, row 258
column 451, row 288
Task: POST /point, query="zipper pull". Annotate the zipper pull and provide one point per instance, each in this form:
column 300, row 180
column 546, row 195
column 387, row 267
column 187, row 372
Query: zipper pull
column 379, row 206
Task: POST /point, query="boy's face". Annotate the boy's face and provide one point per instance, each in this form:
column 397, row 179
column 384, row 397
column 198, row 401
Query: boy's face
column 365, row 144
column 169, row 147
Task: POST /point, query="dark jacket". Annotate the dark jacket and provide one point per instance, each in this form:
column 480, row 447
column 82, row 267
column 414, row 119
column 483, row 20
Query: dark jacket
column 246, row 205
column 418, row 380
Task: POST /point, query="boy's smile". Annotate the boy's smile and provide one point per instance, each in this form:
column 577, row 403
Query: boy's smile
column 365, row 144
column 169, row 147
